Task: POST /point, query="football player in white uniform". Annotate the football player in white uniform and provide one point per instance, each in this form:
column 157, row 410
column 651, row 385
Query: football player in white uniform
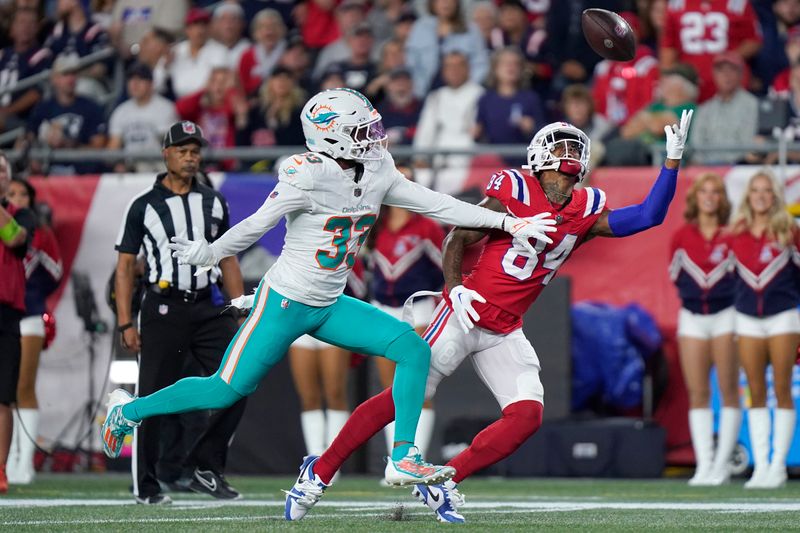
column 330, row 197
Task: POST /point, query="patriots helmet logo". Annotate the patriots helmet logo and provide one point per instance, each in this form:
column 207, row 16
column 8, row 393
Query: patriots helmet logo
column 322, row 117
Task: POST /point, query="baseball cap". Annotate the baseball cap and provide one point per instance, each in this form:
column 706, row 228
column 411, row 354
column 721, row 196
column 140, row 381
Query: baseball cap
column 399, row 72
column 280, row 70
column 183, row 132
column 361, row 29
column 228, row 9
column 140, row 70
column 683, row 70
column 730, row 57
column 196, row 15
column 66, row 63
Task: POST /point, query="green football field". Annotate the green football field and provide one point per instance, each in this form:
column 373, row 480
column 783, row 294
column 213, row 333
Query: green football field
column 102, row 502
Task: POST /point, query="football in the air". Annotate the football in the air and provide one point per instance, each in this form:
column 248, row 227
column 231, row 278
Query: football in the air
column 608, row 34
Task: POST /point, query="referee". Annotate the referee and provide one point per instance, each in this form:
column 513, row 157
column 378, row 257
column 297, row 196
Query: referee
column 181, row 314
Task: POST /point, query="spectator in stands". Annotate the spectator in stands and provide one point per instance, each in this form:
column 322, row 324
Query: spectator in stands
column 216, row 109
column 154, row 52
column 436, row 35
column 276, row 118
column 269, row 34
column 701, row 268
column 651, row 15
column 332, row 78
column 780, row 84
column 622, row 88
column 484, row 16
column 677, row 91
column 513, row 29
column 22, row 59
column 403, row 26
column 349, row 14
column 384, row 16
column 400, row 109
column 404, row 255
column 140, row 123
column 131, row 20
column 508, row 113
column 765, row 245
column 577, row 105
column 66, row 120
column 448, row 113
column 317, row 20
column 195, row 58
column 681, row 42
column 777, row 22
column 392, row 57
column 43, row 270
column 730, row 117
column 567, row 51
column 358, row 70
column 227, row 28
column 74, row 33
column 297, row 59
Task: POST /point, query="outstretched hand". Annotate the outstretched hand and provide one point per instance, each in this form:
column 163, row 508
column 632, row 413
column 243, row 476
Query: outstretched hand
column 196, row 253
column 676, row 135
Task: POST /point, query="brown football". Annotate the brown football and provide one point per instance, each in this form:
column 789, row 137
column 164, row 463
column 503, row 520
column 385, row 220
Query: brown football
column 608, row 34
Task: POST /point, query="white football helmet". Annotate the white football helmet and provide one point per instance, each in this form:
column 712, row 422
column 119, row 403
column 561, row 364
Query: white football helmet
column 559, row 146
column 343, row 124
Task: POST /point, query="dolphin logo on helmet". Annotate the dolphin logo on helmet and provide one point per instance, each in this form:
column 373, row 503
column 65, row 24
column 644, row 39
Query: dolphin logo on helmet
column 344, row 124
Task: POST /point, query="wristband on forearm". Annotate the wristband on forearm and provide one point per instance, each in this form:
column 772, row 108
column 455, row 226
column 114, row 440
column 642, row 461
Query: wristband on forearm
column 10, row 231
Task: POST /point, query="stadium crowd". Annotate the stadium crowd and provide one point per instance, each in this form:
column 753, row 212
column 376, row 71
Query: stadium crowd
column 443, row 73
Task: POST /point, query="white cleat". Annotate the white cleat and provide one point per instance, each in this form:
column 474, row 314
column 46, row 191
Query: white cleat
column 412, row 470
column 443, row 499
column 307, row 491
column 719, row 476
column 116, row 426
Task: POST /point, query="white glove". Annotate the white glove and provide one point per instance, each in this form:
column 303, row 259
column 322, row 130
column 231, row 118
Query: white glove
column 676, row 135
column 196, row 253
column 534, row 227
column 461, row 299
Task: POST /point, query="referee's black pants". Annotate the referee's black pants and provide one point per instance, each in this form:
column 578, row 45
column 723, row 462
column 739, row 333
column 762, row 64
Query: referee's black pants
column 173, row 329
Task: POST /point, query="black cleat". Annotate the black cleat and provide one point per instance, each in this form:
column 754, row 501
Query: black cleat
column 213, row 484
column 158, row 499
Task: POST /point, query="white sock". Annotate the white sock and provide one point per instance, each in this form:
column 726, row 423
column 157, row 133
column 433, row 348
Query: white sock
column 759, row 422
column 422, row 439
column 730, row 421
column 701, row 422
column 12, row 464
column 388, row 432
column 27, row 438
column 313, row 423
column 334, row 421
column 784, row 432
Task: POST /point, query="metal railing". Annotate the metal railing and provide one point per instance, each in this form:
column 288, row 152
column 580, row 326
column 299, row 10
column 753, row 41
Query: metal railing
column 36, row 79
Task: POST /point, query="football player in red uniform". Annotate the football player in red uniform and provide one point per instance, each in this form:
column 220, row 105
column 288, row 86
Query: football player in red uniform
column 505, row 282
column 696, row 31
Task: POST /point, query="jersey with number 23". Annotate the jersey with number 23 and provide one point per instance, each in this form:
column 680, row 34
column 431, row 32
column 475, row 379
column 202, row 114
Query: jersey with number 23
column 506, row 275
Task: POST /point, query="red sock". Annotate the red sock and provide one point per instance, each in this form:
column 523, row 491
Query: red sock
column 369, row 418
column 520, row 420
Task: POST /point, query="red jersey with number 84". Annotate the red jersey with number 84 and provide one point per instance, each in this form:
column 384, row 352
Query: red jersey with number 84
column 505, row 275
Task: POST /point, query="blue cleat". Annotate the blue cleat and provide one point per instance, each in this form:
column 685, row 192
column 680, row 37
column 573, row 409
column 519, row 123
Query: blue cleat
column 116, row 426
column 443, row 499
column 307, row 491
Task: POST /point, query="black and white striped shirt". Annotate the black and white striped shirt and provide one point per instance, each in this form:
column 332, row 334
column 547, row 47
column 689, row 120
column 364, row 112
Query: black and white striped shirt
column 157, row 215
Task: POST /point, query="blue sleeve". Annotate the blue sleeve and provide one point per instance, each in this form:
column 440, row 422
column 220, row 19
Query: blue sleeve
column 639, row 217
